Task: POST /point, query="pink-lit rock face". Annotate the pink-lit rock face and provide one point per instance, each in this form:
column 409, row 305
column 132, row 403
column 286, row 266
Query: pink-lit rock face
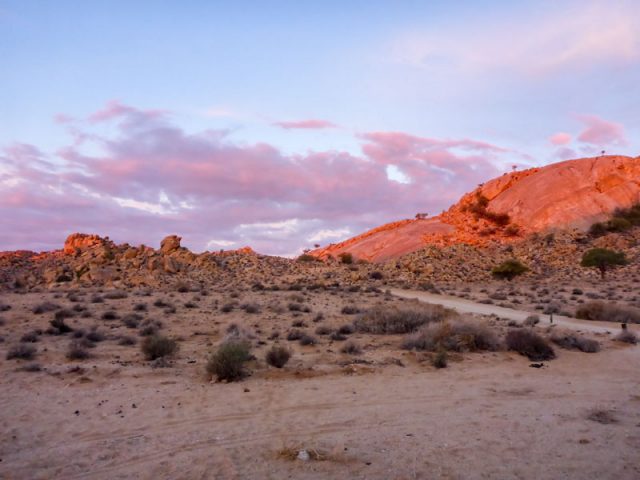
column 77, row 242
column 570, row 194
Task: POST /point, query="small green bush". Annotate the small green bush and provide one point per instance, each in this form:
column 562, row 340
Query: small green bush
column 227, row 363
column 509, row 269
column 346, row 258
column 157, row 346
column 603, row 259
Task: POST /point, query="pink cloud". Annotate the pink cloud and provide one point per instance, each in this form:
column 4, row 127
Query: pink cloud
column 116, row 110
column 560, row 138
column 305, row 124
column 204, row 186
column 600, row 132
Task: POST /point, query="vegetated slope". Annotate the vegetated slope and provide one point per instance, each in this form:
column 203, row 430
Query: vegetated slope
column 570, row 194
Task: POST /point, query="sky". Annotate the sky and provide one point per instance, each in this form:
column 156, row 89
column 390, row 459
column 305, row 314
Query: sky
column 282, row 125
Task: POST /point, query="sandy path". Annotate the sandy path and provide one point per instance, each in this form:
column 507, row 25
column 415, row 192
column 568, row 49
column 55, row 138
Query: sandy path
column 466, row 306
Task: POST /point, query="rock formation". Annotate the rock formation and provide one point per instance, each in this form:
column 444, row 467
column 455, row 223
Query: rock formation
column 565, row 195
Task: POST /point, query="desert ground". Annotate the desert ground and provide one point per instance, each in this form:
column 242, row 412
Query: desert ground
column 374, row 410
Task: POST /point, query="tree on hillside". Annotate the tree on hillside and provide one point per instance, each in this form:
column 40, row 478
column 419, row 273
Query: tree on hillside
column 602, row 259
column 509, row 269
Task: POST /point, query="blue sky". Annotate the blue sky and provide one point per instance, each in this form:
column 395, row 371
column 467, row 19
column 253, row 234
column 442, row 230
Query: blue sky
column 511, row 74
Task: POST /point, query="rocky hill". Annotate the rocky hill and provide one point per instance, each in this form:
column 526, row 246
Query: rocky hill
column 565, row 195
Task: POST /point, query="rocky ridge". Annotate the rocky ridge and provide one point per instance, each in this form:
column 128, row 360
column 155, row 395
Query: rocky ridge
column 561, row 196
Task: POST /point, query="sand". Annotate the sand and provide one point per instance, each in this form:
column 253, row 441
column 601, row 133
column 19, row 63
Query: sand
column 488, row 415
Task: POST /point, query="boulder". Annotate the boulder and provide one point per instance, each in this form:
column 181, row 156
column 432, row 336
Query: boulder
column 170, row 244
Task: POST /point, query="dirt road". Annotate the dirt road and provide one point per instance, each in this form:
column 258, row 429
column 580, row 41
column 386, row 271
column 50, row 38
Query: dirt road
column 466, row 306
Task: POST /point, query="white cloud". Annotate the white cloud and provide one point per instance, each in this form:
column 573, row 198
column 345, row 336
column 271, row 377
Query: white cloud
column 323, row 235
column 144, row 206
column 220, row 243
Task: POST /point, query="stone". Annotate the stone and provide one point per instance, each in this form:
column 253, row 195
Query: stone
column 170, row 244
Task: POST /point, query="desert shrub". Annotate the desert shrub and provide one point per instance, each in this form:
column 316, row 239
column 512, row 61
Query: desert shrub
column 598, row 229
column 307, row 339
column 160, row 303
column 346, row 329
column 127, row 341
column 32, row 368
column 440, row 359
column 323, row 330
column 157, row 346
column 182, row 287
column 305, row 257
column 190, row 305
column 228, row 307
column 337, row 337
column 116, row 295
column 78, row 308
column 395, row 320
column 294, row 335
column 531, row 320
column 376, row 275
column 351, row 348
column 608, row 312
column 95, row 335
column 30, row 337
column 618, row 224
column 574, row 342
column 346, row 258
column 250, row 307
column 59, row 327
column 600, row 415
column 148, row 330
column 529, row 344
column 512, row 230
column 294, row 307
column 350, row 310
column 509, row 269
column 627, row 336
column 97, row 299
column 132, row 320
column 458, row 336
column 4, row 307
column 140, row 307
column 21, row 351
column 45, row 307
column 577, row 291
column 278, row 356
column 77, row 351
column 110, row 315
column 62, row 314
column 227, row 363
column 318, row 318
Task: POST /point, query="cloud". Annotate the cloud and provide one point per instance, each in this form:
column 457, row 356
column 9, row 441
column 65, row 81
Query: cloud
column 560, row 138
column 586, row 36
column 148, row 178
column 600, row 132
column 305, row 124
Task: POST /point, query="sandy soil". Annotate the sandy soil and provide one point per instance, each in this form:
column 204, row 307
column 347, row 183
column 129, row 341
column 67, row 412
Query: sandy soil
column 386, row 414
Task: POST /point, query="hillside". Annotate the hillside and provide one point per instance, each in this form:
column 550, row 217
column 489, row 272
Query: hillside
column 570, row 194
